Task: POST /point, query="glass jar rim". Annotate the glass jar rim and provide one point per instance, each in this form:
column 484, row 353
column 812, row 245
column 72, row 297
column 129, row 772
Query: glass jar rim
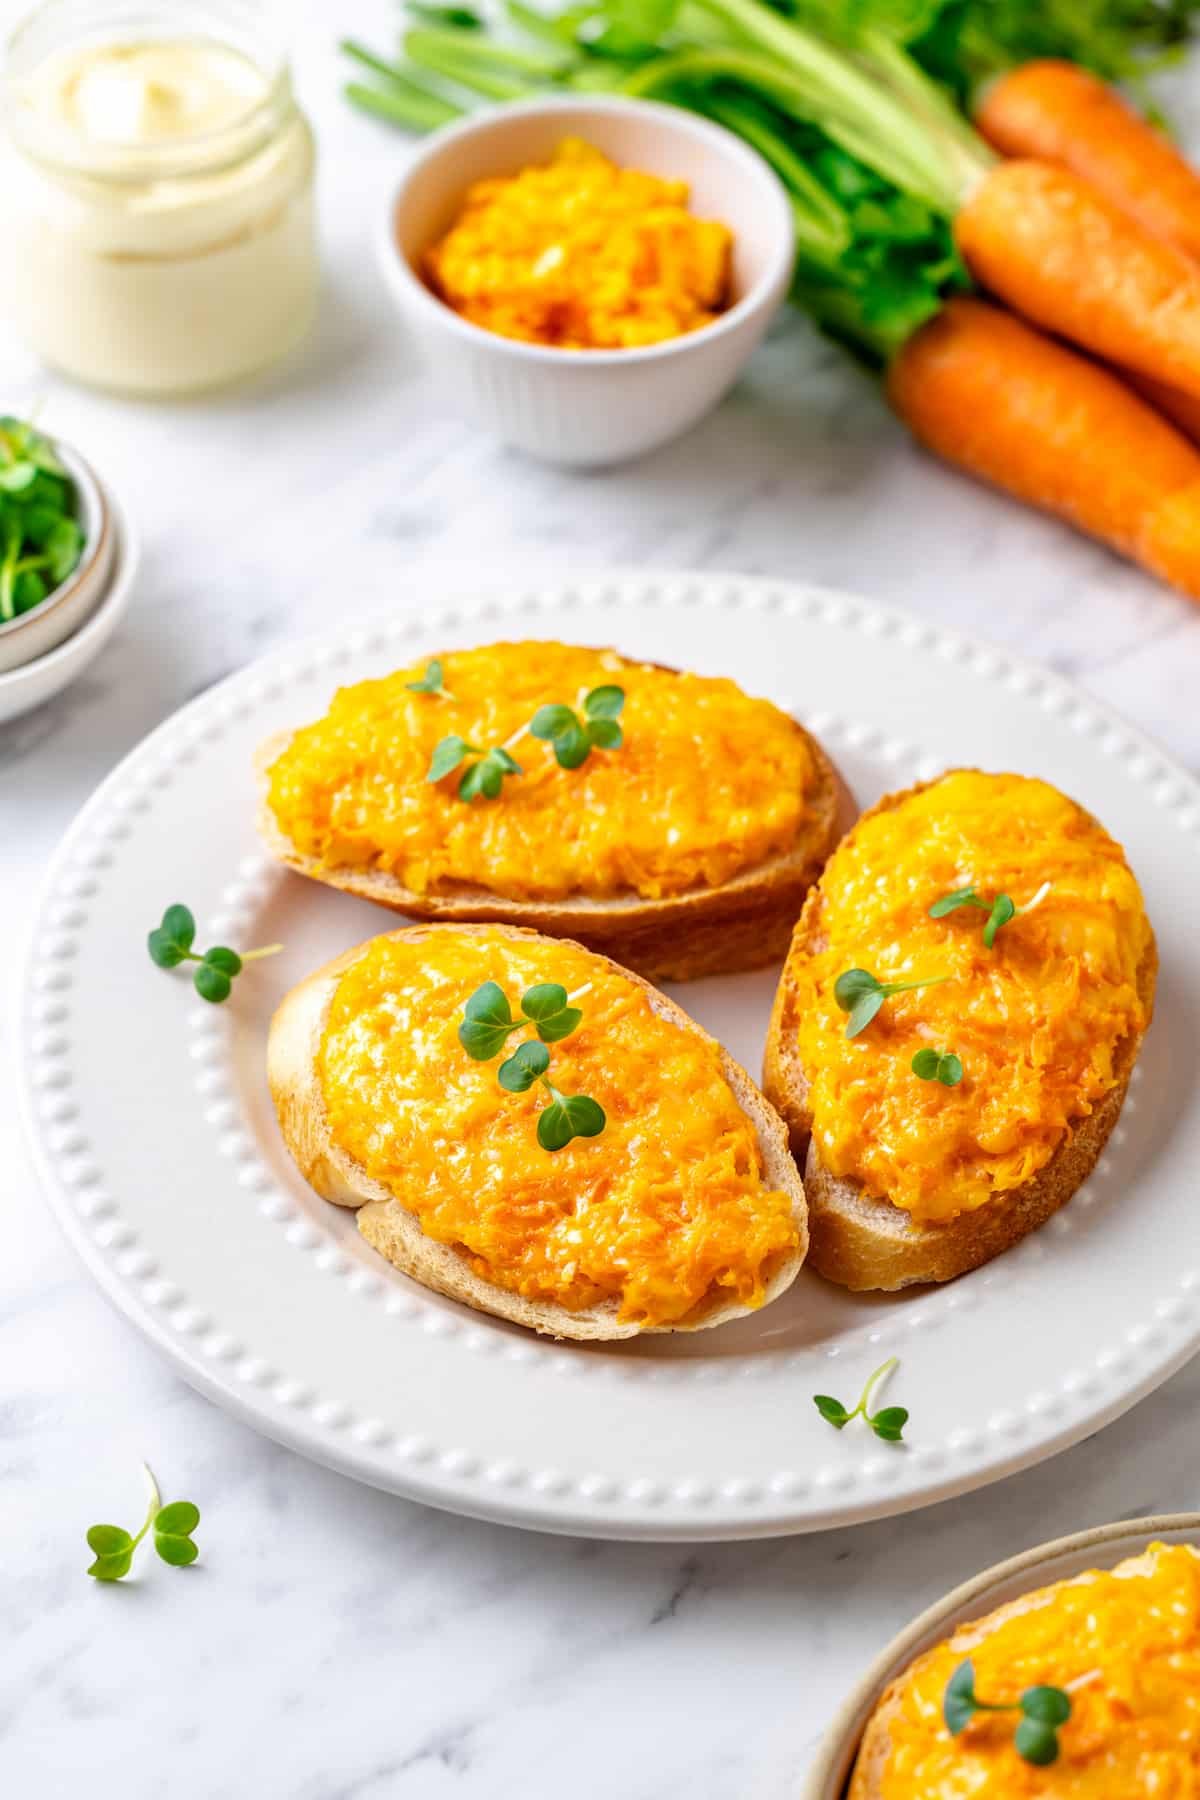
column 250, row 27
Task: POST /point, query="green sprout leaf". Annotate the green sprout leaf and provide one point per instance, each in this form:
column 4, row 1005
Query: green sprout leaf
column 172, row 1525
column 17, row 477
column 604, row 702
column 951, row 902
column 1037, row 1743
column 999, row 911
column 888, row 1424
column 487, row 1022
column 527, row 1064
column 486, row 1026
column 605, row 734
column 1043, row 1710
column 485, row 778
column 1049, row 1705
column 549, row 722
column 547, row 1007
column 41, row 540
column 568, row 1117
column 170, row 943
column 938, row 1065
column 448, row 754
column 958, row 1701
column 573, row 739
column 109, row 1540
column 1002, row 911
column 213, row 985
column 431, row 682
column 861, row 994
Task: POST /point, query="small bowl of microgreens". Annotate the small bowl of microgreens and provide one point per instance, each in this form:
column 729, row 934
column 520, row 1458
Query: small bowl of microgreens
column 58, row 542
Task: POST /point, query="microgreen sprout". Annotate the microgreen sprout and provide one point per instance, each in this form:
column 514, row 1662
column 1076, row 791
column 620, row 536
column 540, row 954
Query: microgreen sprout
column 173, row 1525
column 888, row 1423
column 170, row 944
column 41, row 540
column 486, row 1027
column 431, row 682
column 1043, row 1710
column 485, row 775
column 999, row 911
column 573, row 739
column 938, row 1065
column 861, row 994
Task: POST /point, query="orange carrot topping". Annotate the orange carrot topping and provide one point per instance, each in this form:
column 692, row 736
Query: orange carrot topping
column 1059, row 113
column 1011, row 406
column 1056, row 250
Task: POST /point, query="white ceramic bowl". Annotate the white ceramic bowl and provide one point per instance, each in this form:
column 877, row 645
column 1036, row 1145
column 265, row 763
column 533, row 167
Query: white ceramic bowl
column 1100, row 1548
column 590, row 407
column 30, row 635
column 36, row 682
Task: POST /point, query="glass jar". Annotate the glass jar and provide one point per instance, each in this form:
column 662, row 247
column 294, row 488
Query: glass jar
column 156, row 192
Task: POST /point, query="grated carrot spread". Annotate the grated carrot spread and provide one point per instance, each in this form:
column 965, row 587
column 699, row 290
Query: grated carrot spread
column 664, row 1212
column 1039, row 1021
column 1124, row 1645
column 707, row 782
column 582, row 255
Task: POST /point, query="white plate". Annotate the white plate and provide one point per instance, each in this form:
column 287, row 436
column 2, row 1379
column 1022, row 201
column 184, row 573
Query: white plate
column 154, row 1133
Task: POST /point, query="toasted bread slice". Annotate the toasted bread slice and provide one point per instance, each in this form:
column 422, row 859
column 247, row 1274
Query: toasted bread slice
column 867, row 1244
column 396, row 1233
column 870, row 1768
column 742, row 924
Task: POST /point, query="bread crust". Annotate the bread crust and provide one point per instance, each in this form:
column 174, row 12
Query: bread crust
column 396, row 1233
column 870, row 1245
column 742, row 924
column 866, row 1782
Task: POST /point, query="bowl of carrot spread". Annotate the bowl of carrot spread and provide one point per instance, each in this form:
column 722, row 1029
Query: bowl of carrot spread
column 587, row 277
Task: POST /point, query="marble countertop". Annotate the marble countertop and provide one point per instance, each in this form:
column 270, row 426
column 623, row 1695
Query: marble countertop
column 334, row 1643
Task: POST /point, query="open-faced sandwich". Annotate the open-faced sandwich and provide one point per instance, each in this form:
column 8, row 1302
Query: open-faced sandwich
column 666, row 819
column 1086, row 1690
column 532, row 1130
column 966, row 993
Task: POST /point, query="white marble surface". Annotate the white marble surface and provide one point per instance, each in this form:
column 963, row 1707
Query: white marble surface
column 333, row 1643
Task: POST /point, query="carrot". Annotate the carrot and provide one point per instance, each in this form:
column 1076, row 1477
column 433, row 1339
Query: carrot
column 1046, row 242
column 1183, row 410
column 1059, row 113
column 989, row 393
